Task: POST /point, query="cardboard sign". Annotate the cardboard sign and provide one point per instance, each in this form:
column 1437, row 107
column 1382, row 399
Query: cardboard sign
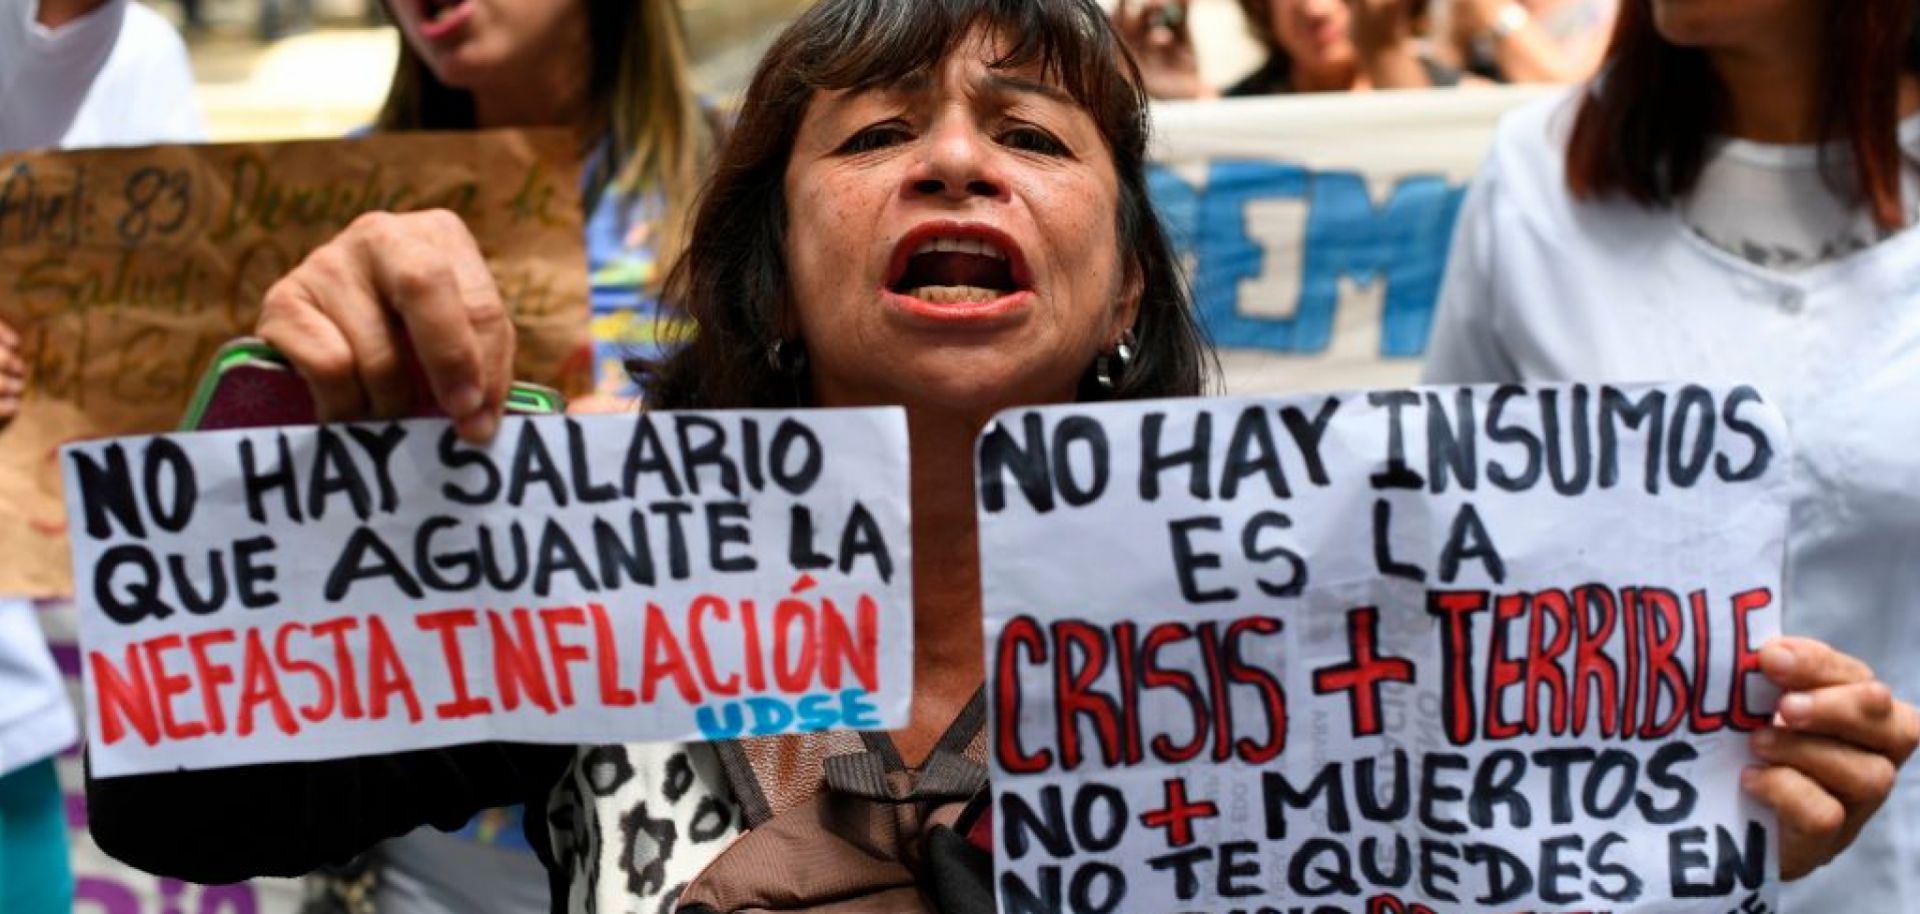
column 125, row 269
column 1423, row 650
column 310, row 593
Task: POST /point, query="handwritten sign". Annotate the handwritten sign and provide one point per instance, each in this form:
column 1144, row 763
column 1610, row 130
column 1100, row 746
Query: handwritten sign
column 272, row 595
column 125, row 269
column 1399, row 652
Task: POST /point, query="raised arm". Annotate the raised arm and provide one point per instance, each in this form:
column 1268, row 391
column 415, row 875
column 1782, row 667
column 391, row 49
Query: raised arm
column 287, row 819
column 1161, row 41
column 388, row 289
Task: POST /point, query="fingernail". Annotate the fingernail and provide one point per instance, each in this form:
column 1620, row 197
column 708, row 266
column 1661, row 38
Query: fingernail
column 1765, row 740
column 1780, row 656
column 481, row 428
column 1795, row 707
column 1750, row 777
column 463, row 400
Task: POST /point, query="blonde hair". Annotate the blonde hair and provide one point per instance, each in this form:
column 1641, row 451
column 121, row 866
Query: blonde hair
column 640, row 98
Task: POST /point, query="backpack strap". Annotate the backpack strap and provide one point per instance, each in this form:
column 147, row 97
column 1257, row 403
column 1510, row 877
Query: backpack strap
column 770, row 775
column 838, row 825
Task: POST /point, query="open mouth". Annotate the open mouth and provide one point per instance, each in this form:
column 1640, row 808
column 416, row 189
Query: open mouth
column 439, row 16
column 957, row 265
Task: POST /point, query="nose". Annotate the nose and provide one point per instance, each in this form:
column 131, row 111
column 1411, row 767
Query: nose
column 1317, row 10
column 957, row 162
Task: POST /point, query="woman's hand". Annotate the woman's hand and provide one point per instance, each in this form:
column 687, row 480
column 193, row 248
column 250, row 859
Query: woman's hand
column 1157, row 33
column 390, row 289
column 1830, row 758
column 13, row 373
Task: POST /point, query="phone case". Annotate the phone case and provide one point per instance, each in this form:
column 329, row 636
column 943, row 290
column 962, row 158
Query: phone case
column 250, row 385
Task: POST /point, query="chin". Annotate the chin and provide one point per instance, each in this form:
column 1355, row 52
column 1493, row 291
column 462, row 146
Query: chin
column 1327, row 57
column 978, row 387
column 462, row 68
column 1685, row 25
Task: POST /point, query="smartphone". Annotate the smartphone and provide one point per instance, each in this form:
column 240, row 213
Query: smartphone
column 250, row 385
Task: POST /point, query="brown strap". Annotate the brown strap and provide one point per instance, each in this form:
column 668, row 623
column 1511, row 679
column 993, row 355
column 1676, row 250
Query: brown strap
column 963, row 735
column 946, row 776
column 770, row 775
column 746, row 787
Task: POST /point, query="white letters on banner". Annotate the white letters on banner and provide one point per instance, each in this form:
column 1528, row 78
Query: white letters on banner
column 1422, row 650
column 310, row 593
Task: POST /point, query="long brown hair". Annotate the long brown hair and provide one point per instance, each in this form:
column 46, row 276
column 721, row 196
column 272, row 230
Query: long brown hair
column 639, row 97
column 1645, row 124
column 733, row 279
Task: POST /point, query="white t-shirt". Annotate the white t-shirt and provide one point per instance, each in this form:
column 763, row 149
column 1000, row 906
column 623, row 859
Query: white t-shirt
column 1776, row 206
column 118, row 76
column 1542, row 288
column 35, row 719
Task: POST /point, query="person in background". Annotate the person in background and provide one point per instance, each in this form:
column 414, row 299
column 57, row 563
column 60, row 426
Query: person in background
column 1732, row 200
column 1312, row 46
column 78, row 73
column 614, row 72
column 1531, row 41
column 72, row 73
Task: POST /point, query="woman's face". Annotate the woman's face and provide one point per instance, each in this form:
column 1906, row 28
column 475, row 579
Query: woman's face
column 1315, row 33
column 472, row 44
column 951, row 241
column 1735, row 24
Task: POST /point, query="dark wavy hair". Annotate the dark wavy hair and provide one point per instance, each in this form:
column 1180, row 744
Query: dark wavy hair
column 732, row 280
column 1644, row 127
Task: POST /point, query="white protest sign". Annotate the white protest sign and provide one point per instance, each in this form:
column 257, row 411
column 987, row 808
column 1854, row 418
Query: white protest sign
column 310, row 593
column 1400, row 652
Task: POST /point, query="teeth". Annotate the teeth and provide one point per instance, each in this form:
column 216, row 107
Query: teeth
column 975, row 246
column 955, row 295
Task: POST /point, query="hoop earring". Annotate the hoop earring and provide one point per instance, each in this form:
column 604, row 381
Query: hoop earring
column 1111, row 367
column 787, row 358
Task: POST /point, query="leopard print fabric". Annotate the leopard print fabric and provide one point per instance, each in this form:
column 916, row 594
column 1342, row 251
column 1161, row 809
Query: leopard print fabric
column 633, row 824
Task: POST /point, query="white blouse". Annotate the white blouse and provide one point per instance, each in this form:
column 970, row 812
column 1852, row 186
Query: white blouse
column 1543, row 287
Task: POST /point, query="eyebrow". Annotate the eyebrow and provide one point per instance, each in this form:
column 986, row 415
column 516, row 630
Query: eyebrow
column 916, row 83
column 1001, row 82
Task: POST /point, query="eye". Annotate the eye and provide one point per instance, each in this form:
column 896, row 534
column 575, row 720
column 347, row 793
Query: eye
column 1028, row 138
column 879, row 136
